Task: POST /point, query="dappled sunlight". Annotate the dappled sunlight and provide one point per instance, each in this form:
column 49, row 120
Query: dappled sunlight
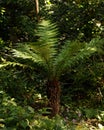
column 92, row 49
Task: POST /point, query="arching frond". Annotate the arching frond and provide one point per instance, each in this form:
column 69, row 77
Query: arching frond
column 45, row 46
column 44, row 49
column 8, row 63
column 24, row 51
column 73, row 52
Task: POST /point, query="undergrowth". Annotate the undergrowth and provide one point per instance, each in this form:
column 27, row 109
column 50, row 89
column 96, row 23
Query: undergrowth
column 16, row 117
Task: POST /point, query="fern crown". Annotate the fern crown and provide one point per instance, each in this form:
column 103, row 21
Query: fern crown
column 44, row 50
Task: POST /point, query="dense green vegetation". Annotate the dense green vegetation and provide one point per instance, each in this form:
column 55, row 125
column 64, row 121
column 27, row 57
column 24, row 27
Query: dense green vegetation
column 51, row 65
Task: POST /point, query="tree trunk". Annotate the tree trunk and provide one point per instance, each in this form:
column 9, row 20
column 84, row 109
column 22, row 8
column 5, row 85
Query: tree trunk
column 37, row 9
column 53, row 94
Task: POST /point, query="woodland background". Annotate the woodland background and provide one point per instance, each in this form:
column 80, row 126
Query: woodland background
column 23, row 92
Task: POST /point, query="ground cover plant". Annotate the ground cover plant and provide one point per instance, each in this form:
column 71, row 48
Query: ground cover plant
column 16, row 117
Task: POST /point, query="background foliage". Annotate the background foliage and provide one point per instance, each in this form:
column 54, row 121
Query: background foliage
column 23, row 90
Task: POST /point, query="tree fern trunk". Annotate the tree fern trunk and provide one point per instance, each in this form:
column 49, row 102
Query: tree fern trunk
column 53, row 94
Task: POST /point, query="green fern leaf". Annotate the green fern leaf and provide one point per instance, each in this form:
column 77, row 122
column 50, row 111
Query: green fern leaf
column 73, row 52
column 44, row 49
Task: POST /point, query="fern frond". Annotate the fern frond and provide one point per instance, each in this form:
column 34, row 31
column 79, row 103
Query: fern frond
column 8, row 63
column 44, row 49
column 63, row 60
column 73, row 53
column 47, row 33
column 24, row 51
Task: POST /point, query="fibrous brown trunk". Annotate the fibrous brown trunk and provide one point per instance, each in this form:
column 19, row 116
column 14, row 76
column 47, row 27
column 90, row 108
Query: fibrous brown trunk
column 53, row 94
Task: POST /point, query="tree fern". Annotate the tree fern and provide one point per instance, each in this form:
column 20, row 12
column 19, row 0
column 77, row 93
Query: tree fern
column 44, row 52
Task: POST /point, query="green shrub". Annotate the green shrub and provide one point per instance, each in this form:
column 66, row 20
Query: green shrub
column 13, row 116
column 44, row 123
